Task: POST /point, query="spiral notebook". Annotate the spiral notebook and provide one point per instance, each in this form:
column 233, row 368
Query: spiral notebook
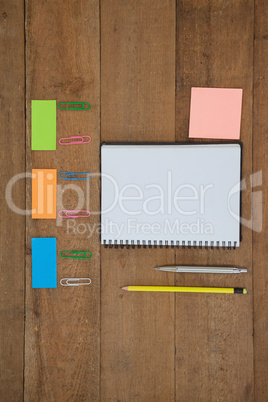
column 171, row 194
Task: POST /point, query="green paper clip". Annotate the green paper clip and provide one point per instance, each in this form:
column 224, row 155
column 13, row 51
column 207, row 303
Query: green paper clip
column 74, row 106
column 76, row 257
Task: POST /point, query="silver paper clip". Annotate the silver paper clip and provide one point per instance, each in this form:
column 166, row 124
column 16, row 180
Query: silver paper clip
column 76, row 281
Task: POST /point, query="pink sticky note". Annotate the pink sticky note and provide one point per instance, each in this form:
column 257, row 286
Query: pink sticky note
column 215, row 113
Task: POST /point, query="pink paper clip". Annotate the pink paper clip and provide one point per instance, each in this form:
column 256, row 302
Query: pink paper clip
column 64, row 213
column 81, row 139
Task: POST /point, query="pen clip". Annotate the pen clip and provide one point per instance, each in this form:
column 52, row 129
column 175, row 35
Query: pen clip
column 73, row 256
column 64, row 213
column 74, row 176
column 66, row 281
column 79, row 139
column 74, row 106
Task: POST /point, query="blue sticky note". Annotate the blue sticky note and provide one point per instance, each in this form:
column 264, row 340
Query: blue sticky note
column 44, row 262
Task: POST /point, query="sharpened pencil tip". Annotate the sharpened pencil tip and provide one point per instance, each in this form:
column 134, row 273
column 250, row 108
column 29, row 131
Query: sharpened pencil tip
column 158, row 268
column 124, row 288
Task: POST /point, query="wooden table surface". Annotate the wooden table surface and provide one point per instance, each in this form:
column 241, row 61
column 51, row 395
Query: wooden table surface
column 135, row 61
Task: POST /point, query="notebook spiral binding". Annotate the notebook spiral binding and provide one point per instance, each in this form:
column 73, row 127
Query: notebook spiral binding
column 174, row 244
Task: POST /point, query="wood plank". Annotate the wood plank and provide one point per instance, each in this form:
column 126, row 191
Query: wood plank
column 137, row 104
column 214, row 359
column 12, row 234
column 260, row 195
column 62, row 325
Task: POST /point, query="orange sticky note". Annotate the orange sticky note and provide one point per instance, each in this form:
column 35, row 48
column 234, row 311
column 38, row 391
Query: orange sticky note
column 215, row 113
column 44, row 189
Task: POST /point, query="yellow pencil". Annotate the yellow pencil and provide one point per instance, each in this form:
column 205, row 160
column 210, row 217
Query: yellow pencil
column 183, row 289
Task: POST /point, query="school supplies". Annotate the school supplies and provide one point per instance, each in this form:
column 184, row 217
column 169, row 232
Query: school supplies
column 75, row 281
column 44, row 262
column 75, row 140
column 44, row 191
column 74, row 176
column 170, row 195
column 183, row 289
column 74, row 106
column 203, row 270
column 80, row 213
column 81, row 255
column 215, row 113
column 43, row 127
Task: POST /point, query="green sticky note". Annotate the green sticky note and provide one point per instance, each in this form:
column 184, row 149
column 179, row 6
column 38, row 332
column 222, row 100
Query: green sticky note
column 43, row 125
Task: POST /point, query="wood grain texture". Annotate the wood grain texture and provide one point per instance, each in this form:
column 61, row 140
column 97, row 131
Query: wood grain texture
column 260, row 195
column 214, row 359
column 62, row 342
column 12, row 234
column 207, row 339
column 137, row 104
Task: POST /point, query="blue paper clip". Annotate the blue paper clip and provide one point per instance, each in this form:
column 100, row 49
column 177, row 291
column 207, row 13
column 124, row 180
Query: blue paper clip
column 74, row 176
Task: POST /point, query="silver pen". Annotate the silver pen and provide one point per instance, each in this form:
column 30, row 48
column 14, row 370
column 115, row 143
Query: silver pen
column 202, row 270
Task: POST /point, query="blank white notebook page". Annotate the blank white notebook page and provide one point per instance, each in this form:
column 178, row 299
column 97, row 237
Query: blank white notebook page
column 171, row 194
